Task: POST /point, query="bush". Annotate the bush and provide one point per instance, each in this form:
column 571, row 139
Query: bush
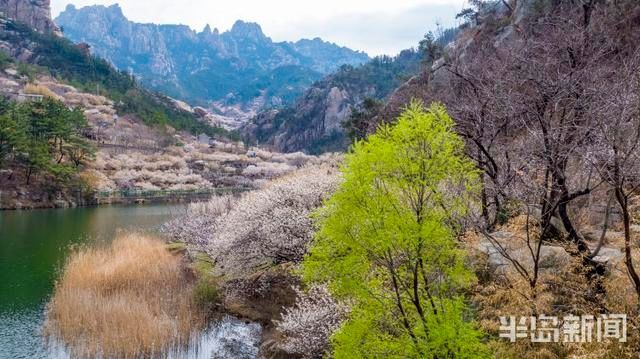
column 262, row 228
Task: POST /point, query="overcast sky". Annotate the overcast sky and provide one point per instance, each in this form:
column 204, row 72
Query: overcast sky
column 375, row 26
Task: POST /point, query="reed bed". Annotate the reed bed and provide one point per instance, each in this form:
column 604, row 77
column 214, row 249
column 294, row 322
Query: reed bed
column 130, row 299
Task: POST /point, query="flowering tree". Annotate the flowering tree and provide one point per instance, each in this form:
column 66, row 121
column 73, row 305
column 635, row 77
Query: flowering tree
column 308, row 325
column 265, row 227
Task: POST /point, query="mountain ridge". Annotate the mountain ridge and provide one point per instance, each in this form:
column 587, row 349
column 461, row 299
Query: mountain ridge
column 236, row 72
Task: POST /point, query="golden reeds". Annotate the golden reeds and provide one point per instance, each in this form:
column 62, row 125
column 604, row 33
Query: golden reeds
column 127, row 300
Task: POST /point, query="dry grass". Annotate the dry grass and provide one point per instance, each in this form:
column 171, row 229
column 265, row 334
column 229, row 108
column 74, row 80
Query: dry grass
column 130, row 299
column 41, row 90
column 562, row 290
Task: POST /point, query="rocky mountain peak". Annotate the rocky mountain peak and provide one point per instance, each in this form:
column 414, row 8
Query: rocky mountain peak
column 236, row 72
column 35, row 13
column 249, row 30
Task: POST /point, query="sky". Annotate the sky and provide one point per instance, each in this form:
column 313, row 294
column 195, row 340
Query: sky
column 374, row 26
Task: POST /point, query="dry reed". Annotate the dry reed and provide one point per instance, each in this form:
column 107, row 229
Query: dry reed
column 130, row 299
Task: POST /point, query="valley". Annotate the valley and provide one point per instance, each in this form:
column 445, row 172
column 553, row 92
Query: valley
column 168, row 192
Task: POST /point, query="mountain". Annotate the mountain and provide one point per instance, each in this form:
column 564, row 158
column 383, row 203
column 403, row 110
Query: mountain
column 235, row 73
column 316, row 122
column 39, row 51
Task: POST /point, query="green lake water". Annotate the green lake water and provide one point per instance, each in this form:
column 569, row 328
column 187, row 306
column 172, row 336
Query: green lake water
column 34, row 246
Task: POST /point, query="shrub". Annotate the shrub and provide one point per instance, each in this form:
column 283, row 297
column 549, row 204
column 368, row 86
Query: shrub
column 308, row 325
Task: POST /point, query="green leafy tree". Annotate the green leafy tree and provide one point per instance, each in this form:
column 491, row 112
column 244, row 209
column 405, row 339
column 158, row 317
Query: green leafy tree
column 431, row 48
column 13, row 134
column 43, row 137
column 387, row 245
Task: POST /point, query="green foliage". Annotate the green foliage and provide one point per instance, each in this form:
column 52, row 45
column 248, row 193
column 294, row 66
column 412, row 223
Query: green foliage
column 206, row 294
column 43, row 137
column 386, row 243
column 430, row 48
column 5, row 60
column 383, row 74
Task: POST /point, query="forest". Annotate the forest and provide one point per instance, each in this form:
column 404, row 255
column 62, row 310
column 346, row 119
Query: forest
column 42, row 139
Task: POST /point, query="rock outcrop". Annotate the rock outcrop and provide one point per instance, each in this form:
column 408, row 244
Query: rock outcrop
column 35, row 13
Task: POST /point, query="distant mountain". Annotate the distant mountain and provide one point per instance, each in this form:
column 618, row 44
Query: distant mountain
column 70, row 63
column 314, row 122
column 321, row 119
column 237, row 72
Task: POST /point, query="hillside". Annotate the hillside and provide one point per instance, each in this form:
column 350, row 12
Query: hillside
column 234, row 73
column 71, row 63
column 317, row 121
column 73, row 128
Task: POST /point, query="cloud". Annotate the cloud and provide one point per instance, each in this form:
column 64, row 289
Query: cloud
column 375, row 26
column 381, row 32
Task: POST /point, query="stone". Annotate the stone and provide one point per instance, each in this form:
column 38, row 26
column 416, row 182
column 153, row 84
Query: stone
column 35, row 13
column 61, row 203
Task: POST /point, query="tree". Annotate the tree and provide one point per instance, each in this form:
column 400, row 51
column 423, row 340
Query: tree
column 615, row 146
column 430, row 48
column 387, row 242
column 13, row 137
column 309, row 324
column 43, row 137
column 263, row 228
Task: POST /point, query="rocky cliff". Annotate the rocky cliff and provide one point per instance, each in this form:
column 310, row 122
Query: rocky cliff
column 235, row 73
column 314, row 123
column 35, row 13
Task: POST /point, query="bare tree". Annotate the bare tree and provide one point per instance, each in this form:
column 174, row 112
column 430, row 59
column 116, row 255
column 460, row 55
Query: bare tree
column 616, row 147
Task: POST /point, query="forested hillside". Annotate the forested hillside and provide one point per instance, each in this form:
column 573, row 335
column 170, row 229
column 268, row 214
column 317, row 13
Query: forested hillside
column 73, row 64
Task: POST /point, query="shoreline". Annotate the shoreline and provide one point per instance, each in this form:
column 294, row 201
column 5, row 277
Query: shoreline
column 98, row 201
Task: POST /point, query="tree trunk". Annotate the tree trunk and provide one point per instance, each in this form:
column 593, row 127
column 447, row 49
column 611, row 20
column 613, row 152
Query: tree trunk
column 626, row 219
